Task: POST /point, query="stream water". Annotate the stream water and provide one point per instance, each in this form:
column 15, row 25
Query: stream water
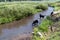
column 10, row 30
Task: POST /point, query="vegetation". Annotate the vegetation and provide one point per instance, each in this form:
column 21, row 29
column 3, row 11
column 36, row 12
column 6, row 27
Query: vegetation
column 26, row 0
column 56, row 5
column 43, row 27
column 42, row 6
column 56, row 34
column 13, row 11
column 10, row 12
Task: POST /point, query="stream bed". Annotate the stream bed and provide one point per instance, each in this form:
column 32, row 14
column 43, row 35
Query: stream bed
column 22, row 28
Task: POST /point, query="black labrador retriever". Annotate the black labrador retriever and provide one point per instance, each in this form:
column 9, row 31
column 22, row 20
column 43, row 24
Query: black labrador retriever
column 35, row 23
column 51, row 13
column 42, row 16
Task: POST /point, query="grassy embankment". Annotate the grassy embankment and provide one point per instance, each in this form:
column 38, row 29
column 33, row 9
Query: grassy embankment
column 56, row 34
column 45, row 29
column 12, row 11
column 56, row 5
column 44, row 26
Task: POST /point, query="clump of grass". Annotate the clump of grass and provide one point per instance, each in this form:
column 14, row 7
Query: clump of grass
column 42, row 6
column 55, row 36
column 36, row 36
column 12, row 12
column 43, row 27
column 45, row 24
column 56, row 6
column 8, row 14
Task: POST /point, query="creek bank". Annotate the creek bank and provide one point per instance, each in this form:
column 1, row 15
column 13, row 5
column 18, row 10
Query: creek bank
column 15, row 12
column 52, row 26
column 43, row 27
column 20, row 27
column 54, row 33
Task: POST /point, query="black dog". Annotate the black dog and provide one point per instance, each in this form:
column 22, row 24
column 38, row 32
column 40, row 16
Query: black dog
column 51, row 13
column 35, row 23
column 41, row 16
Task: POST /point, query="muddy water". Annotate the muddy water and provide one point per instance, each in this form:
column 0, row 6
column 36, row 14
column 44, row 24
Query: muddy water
column 21, row 28
column 16, row 28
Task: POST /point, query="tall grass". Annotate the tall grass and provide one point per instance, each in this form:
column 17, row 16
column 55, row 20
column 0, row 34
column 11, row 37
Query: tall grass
column 15, row 11
column 56, row 5
column 11, row 13
column 45, row 24
column 42, row 6
column 55, row 36
column 43, row 27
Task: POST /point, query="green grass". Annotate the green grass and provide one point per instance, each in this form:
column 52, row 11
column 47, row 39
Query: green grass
column 55, row 36
column 36, row 36
column 45, row 24
column 42, row 6
column 15, row 11
column 43, row 27
column 56, row 5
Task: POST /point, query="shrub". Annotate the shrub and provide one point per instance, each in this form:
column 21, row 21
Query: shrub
column 11, row 12
column 45, row 23
column 43, row 27
column 42, row 6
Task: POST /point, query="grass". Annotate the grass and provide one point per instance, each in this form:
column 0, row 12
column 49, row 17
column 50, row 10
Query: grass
column 15, row 11
column 56, row 5
column 42, row 6
column 43, row 27
column 55, row 36
column 56, row 27
column 45, row 24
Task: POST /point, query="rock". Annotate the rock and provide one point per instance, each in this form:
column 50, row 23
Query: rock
column 40, row 34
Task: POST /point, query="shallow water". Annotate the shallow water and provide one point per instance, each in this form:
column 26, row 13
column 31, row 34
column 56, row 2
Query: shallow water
column 21, row 27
